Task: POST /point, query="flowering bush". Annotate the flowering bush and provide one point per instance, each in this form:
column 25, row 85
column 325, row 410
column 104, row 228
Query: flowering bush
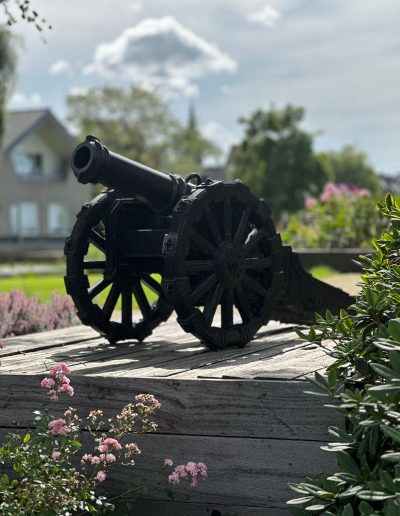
column 20, row 314
column 367, row 361
column 43, row 479
column 343, row 216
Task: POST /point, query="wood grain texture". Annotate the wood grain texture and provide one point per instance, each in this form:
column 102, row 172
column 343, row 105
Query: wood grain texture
column 263, row 409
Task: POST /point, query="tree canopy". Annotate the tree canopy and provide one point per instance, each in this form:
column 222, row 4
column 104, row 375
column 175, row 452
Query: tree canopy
column 139, row 125
column 350, row 165
column 276, row 159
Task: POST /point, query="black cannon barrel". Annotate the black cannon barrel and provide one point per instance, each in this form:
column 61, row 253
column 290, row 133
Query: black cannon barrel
column 93, row 162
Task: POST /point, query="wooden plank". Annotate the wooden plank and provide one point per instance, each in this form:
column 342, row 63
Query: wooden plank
column 159, row 507
column 46, row 340
column 262, row 409
column 242, row 471
column 299, row 361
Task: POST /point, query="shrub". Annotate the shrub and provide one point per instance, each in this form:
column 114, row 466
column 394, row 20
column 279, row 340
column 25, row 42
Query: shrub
column 20, row 314
column 49, row 473
column 367, row 363
column 344, row 216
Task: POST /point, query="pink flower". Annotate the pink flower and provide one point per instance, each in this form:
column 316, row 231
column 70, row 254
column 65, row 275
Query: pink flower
column 56, row 455
column 173, row 478
column 133, row 448
column 330, row 190
column 110, row 457
column 191, row 468
column 101, row 475
column 47, row 382
column 59, row 369
column 1, row 345
column 181, row 471
column 364, row 192
column 87, row 457
column 65, row 387
column 59, row 427
column 53, row 394
column 310, row 202
column 95, row 460
column 109, row 442
column 168, row 462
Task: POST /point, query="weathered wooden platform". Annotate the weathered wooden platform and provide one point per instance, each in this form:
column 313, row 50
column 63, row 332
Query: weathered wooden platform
column 241, row 411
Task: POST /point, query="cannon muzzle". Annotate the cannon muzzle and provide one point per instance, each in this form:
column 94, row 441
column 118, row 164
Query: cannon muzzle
column 93, row 162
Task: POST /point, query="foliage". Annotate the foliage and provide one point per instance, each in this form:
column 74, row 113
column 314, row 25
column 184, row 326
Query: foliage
column 367, row 360
column 25, row 12
column 44, row 477
column 7, row 70
column 324, row 223
column 350, row 165
column 276, row 159
column 20, row 314
column 139, row 125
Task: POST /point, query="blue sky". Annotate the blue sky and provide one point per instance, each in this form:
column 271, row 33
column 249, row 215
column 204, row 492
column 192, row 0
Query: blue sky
column 340, row 59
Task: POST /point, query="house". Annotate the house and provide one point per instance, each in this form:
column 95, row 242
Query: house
column 39, row 195
column 390, row 183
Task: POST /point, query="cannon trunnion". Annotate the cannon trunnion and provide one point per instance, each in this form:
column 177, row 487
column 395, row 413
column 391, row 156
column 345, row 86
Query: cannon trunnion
column 209, row 251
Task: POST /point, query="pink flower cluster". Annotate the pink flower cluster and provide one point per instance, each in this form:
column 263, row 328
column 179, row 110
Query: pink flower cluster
column 59, row 383
column 21, row 314
column 59, row 427
column 104, row 458
column 109, row 443
column 191, row 472
column 337, row 190
column 147, row 402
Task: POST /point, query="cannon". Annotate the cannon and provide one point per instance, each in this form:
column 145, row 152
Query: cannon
column 206, row 249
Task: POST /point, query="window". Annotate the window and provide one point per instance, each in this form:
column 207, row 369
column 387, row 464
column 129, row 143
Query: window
column 27, row 164
column 24, row 219
column 57, row 219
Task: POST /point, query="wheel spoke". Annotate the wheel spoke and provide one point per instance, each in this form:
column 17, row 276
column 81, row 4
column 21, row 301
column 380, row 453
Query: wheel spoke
column 248, row 281
column 127, row 306
column 227, row 309
column 242, row 228
column 95, row 264
column 242, row 304
column 195, row 266
column 212, row 302
column 203, row 243
column 97, row 240
column 228, row 219
column 111, row 301
column 213, row 225
column 99, row 287
column 203, row 287
column 257, row 263
column 254, row 239
column 141, row 298
column 152, row 284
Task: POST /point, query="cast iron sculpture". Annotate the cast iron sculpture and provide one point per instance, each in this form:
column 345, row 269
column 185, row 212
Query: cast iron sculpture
column 207, row 250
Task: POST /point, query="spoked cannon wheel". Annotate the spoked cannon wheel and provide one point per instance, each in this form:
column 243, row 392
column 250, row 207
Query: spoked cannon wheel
column 223, row 264
column 101, row 288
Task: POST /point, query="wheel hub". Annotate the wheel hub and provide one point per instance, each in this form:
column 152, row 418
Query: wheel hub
column 229, row 264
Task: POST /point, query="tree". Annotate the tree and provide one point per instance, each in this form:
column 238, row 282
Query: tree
column 276, row 159
column 351, row 166
column 139, row 125
column 190, row 149
column 7, row 71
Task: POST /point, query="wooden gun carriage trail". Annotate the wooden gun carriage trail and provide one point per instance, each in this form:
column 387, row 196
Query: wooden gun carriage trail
column 210, row 252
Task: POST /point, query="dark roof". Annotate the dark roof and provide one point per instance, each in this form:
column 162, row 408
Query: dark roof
column 390, row 183
column 19, row 124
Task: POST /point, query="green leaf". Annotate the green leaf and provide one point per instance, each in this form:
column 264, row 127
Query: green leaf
column 374, row 496
column 391, row 432
column 395, row 360
column 394, row 329
column 76, row 443
column 348, row 510
column 384, row 371
column 365, row 508
column 300, row 501
column 391, row 456
column 315, row 508
column 27, row 438
column 347, row 463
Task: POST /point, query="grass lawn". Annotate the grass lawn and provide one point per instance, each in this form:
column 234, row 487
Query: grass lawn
column 44, row 286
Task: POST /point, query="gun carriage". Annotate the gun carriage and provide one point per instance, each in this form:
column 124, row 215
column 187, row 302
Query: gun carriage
column 205, row 249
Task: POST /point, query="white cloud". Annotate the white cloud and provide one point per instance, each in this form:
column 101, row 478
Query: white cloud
column 78, row 90
column 21, row 99
column 159, row 53
column 267, row 16
column 217, row 133
column 60, row 67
